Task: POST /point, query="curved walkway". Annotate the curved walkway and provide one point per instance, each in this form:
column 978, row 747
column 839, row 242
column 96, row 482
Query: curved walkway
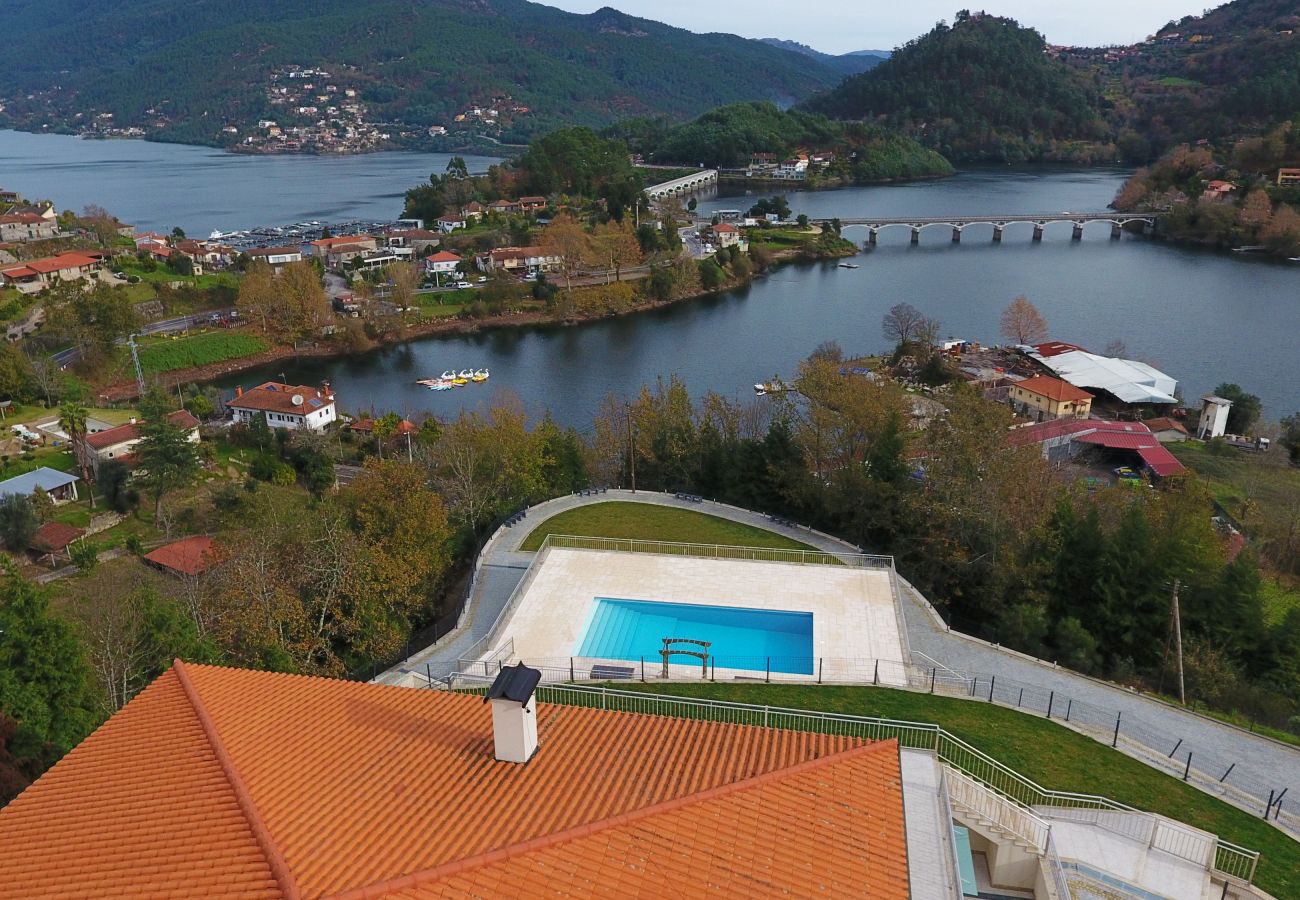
column 1152, row 731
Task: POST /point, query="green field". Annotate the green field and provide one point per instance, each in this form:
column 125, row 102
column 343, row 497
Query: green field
column 168, row 354
column 651, row 522
column 1049, row 754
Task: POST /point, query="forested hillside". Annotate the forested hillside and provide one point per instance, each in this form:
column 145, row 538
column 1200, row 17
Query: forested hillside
column 982, row 88
column 727, row 137
column 845, row 63
column 185, row 71
column 1234, row 71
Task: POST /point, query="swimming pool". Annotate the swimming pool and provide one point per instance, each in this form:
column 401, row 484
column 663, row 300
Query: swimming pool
column 740, row 638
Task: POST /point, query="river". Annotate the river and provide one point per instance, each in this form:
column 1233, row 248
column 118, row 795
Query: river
column 1203, row 317
column 160, row 186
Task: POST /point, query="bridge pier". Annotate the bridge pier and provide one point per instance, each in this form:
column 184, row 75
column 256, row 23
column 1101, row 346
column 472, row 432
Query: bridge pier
column 1116, row 230
column 1038, row 231
column 916, row 235
column 871, row 237
column 1078, row 232
column 997, row 234
column 956, row 235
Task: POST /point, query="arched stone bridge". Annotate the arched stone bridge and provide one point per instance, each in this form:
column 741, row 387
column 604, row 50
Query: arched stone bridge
column 1039, row 221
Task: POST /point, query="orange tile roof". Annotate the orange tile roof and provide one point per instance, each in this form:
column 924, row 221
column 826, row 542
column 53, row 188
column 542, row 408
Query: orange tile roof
column 188, row 556
column 272, row 396
column 223, row 782
column 1053, row 389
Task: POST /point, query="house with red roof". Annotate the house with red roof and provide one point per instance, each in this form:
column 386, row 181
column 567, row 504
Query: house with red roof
column 227, row 783
column 1045, row 397
column 284, row 405
column 19, row 227
column 442, row 263
column 321, row 248
column 51, row 541
column 118, row 443
column 33, row 275
column 275, row 257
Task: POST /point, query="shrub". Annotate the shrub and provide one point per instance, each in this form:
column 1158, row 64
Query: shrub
column 85, row 555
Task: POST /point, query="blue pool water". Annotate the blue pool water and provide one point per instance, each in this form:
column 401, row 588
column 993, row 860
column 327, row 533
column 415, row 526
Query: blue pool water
column 740, row 638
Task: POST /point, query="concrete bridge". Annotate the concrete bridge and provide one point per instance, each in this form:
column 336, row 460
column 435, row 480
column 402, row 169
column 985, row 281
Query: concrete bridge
column 687, row 184
column 1039, row 222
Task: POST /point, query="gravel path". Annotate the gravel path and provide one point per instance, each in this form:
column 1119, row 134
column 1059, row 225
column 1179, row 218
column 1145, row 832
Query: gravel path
column 1154, row 732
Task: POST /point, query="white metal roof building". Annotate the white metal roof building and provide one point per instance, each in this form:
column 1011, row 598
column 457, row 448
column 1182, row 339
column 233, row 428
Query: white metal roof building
column 1129, row 380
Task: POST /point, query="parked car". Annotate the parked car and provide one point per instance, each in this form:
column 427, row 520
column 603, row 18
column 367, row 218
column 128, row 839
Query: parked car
column 461, row 285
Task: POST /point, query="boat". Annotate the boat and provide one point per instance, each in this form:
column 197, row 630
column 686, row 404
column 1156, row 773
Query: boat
column 481, row 376
column 775, row 386
column 848, row 265
column 449, row 375
column 1250, row 248
column 427, row 382
column 467, row 374
column 442, row 385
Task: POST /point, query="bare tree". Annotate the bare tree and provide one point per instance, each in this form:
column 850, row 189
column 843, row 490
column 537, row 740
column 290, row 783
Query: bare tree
column 46, row 376
column 903, row 323
column 1022, row 323
column 1117, row 348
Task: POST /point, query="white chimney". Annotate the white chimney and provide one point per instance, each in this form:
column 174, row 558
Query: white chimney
column 514, row 714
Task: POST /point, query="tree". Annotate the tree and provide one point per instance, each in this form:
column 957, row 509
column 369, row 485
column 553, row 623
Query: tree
column 403, row 279
column 43, row 676
column 167, row 460
column 904, row 323
column 18, row 522
column 72, row 419
column 180, row 263
column 618, row 247
column 103, row 225
column 1245, row 409
column 566, row 240
column 92, row 319
column 1022, row 323
column 1257, row 211
column 1282, row 234
column 114, row 480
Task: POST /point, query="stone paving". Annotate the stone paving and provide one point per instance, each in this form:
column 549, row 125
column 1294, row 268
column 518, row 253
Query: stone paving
column 1261, row 764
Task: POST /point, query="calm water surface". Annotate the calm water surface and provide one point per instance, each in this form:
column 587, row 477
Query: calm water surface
column 160, row 186
column 1203, row 317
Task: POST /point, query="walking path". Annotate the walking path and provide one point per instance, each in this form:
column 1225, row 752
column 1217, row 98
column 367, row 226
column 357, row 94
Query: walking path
column 1157, row 733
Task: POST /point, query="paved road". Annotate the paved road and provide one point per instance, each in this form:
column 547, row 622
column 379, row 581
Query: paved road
column 1149, row 728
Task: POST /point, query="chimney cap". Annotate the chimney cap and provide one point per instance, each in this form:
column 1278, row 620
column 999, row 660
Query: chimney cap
column 515, row 683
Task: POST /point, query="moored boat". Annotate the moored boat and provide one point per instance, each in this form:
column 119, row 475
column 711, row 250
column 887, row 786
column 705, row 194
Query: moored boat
column 480, row 376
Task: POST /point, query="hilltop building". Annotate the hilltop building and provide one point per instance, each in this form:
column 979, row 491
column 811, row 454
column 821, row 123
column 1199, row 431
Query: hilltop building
column 284, row 405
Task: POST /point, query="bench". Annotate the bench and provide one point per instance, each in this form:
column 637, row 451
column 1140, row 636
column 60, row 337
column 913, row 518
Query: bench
column 611, row 673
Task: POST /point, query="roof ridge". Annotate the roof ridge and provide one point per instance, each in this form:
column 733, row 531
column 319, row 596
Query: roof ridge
column 261, row 833
column 435, row 873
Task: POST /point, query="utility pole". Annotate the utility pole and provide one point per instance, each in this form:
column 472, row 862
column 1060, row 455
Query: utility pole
column 1178, row 645
column 135, row 358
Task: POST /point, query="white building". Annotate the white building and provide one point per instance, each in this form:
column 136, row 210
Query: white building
column 119, row 443
column 284, row 405
column 442, row 263
column 1214, row 417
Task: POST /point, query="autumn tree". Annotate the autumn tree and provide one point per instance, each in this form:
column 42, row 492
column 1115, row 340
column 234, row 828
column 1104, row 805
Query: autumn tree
column 256, row 298
column 566, row 240
column 304, row 308
column 100, row 223
column 1282, row 234
column 403, row 280
column 1022, row 323
column 1257, row 211
column 616, row 245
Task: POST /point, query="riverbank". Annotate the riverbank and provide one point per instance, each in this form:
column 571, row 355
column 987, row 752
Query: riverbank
column 529, row 318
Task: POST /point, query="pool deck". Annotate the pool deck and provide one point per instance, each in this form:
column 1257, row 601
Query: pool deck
column 854, row 616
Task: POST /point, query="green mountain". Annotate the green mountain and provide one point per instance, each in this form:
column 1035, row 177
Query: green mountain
column 845, row 63
column 191, row 69
column 983, row 88
column 1230, row 72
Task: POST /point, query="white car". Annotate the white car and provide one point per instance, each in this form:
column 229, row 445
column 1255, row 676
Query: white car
column 461, row 285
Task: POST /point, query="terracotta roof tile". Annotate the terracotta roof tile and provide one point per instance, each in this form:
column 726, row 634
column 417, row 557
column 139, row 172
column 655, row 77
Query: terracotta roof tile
column 1052, row 389
column 357, row 787
column 188, row 556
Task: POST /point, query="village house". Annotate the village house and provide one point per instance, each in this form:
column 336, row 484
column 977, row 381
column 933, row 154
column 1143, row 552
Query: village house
column 340, row 255
column 473, row 211
column 726, row 234
column 9, row 196
column 441, row 264
column 20, row 227
column 531, row 205
column 61, row 486
column 449, row 223
column 284, row 405
column 417, row 240
column 504, row 207
column 118, row 443
column 795, row 168
column 276, row 257
column 1167, row 430
column 1045, row 397
column 34, row 275
column 149, row 237
column 1288, row 177
column 1217, row 190
column 517, row 260
column 322, row 248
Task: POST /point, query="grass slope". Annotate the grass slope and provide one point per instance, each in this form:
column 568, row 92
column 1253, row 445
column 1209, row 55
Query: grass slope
column 1050, row 754
column 649, row 522
column 198, row 350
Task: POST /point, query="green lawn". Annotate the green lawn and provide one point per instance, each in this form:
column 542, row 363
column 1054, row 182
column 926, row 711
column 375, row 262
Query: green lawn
column 166, row 354
column 1049, row 754
column 650, row 522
